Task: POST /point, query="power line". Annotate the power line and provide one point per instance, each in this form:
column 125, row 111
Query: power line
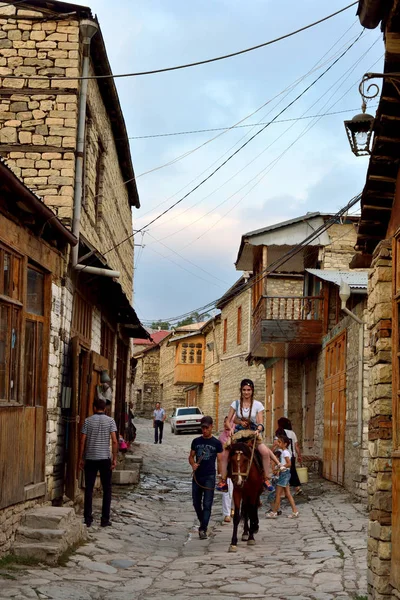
column 193, row 64
column 193, row 131
column 272, row 163
column 274, row 266
column 240, row 148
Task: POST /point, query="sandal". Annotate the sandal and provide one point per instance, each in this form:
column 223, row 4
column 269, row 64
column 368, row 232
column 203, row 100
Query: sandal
column 227, row 519
column 294, row 515
column 271, row 515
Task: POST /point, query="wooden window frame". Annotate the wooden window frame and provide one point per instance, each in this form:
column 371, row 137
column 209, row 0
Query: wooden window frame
column 107, row 345
column 239, row 326
column 83, row 333
column 225, row 337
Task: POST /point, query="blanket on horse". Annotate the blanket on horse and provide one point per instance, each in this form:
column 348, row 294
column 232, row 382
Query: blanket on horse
column 246, row 436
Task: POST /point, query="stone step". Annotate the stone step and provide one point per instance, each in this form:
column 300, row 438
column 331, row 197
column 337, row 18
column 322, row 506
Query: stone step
column 41, row 551
column 28, row 535
column 48, row 517
column 126, row 477
column 130, row 458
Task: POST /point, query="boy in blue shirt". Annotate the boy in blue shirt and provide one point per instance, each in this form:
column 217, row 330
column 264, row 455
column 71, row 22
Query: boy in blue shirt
column 204, row 451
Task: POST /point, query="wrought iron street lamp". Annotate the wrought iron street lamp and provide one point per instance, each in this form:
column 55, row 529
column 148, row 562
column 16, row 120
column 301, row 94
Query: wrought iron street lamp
column 359, row 132
column 359, row 128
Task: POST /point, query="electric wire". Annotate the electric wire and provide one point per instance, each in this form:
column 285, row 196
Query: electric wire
column 224, row 130
column 275, row 265
column 195, row 131
column 267, row 169
column 240, row 148
column 284, row 92
column 193, row 64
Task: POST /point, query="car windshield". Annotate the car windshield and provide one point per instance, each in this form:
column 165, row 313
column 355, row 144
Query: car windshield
column 189, row 411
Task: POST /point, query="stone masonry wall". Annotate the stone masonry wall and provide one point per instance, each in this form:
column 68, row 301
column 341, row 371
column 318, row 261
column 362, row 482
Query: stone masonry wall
column 207, row 399
column 284, row 286
column 10, row 519
column 234, row 366
column 380, row 423
column 147, row 380
column 38, row 131
column 339, row 253
column 172, row 395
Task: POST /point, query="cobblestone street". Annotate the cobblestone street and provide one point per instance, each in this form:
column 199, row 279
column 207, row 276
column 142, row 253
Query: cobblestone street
column 153, row 551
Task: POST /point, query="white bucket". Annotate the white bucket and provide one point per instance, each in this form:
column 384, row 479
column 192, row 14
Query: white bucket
column 302, row 473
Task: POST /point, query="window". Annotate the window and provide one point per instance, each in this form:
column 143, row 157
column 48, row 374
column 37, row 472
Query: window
column 82, row 319
column 239, row 326
column 34, row 338
column 184, row 353
column 199, row 354
column 107, row 345
column 188, row 411
column 10, row 323
column 225, row 334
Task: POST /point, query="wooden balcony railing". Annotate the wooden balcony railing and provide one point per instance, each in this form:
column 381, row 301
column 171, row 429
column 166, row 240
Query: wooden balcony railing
column 288, row 308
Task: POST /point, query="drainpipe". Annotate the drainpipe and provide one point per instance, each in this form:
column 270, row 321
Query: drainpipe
column 88, row 29
column 344, row 294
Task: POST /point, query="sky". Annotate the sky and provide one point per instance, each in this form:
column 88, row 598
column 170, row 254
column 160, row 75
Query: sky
column 290, row 168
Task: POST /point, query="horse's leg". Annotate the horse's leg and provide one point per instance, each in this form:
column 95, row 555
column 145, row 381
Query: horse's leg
column 245, row 517
column 252, row 509
column 237, row 496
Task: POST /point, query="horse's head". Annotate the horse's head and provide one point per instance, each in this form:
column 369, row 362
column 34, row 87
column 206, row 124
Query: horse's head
column 240, row 458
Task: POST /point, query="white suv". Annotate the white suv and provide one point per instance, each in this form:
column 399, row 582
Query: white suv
column 186, row 418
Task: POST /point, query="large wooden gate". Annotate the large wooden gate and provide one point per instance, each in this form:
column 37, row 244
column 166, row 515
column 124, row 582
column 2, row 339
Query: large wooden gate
column 335, row 409
column 274, row 397
column 310, row 388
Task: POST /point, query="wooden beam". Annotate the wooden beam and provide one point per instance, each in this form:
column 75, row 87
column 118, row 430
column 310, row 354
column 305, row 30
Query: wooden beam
column 383, row 178
column 33, row 148
column 370, row 207
column 28, row 91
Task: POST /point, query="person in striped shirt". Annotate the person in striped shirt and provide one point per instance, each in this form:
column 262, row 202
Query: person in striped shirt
column 95, row 456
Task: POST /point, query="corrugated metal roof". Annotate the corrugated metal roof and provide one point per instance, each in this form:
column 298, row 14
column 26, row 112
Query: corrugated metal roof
column 355, row 279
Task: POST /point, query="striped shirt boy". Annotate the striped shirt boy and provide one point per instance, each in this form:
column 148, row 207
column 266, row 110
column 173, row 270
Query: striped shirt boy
column 98, row 429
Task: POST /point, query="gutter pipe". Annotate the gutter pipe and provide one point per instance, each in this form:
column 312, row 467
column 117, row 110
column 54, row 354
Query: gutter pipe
column 88, row 29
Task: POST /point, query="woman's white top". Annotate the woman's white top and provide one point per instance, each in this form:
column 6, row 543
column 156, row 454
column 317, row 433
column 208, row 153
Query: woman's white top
column 255, row 409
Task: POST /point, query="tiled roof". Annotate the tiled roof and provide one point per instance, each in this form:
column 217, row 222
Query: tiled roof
column 156, row 338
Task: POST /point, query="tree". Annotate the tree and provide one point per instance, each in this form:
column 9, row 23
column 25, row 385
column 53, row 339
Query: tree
column 164, row 325
column 195, row 317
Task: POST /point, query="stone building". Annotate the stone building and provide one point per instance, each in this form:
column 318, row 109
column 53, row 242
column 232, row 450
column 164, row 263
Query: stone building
column 66, row 139
column 145, row 374
column 378, row 246
column 311, row 351
column 33, row 251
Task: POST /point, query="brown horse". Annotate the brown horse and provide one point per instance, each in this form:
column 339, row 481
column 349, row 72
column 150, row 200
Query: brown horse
column 247, row 481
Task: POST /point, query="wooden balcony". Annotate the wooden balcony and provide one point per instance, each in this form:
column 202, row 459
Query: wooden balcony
column 287, row 326
column 186, row 374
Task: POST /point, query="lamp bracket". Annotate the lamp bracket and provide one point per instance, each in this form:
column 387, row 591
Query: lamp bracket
column 372, row 89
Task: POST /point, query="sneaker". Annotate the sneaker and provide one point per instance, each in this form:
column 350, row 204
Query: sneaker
column 221, row 486
column 202, row 535
column 106, row 523
column 268, row 486
column 294, row 515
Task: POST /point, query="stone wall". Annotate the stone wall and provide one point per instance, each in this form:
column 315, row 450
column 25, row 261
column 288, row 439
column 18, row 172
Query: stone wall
column 284, row 286
column 10, row 519
column 147, row 381
column 339, row 253
column 172, row 395
column 209, row 394
column 380, row 423
column 38, row 132
column 234, row 366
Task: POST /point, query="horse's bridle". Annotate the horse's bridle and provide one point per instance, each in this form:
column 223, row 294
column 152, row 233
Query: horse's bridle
column 240, row 475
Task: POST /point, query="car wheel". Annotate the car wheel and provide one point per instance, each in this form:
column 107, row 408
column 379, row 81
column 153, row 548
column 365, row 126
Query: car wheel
column 176, row 431
column 172, row 429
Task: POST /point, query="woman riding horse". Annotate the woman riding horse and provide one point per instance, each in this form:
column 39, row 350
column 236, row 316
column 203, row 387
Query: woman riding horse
column 248, row 414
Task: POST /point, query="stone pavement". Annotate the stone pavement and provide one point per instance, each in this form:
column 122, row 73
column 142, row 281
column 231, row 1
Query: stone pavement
column 152, row 551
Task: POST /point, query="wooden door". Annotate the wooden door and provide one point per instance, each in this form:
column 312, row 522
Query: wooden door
column 216, row 408
column 335, row 409
column 310, row 385
column 120, row 390
column 269, row 405
column 72, row 425
column 191, row 397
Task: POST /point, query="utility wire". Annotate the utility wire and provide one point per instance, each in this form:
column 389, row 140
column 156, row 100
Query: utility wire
column 193, row 131
column 286, row 92
column 193, row 64
column 240, row 148
column 274, row 266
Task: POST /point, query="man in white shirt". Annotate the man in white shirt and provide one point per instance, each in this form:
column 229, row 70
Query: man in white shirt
column 159, row 417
